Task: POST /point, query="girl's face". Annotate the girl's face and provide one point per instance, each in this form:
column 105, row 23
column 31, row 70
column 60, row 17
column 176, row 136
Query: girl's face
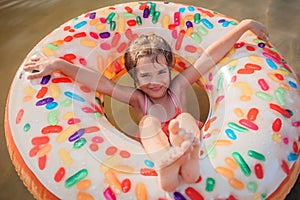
column 153, row 77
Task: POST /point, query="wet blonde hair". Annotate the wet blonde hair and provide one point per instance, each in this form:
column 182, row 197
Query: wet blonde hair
column 144, row 46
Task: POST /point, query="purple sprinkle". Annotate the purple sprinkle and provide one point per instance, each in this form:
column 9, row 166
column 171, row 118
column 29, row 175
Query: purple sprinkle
column 76, row 135
column 146, row 13
column 178, row 196
column 261, row 45
column 189, row 24
column 44, row 101
column 104, row 35
column 45, row 79
column 221, row 20
column 93, row 15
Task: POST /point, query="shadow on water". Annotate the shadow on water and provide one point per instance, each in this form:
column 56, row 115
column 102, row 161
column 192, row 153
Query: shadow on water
column 25, row 22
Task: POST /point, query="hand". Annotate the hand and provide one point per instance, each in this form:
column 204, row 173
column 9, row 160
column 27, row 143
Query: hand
column 257, row 28
column 44, row 66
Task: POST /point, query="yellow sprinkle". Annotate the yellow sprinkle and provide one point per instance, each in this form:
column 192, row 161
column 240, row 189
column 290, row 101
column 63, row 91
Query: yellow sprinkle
column 29, row 90
column 48, row 51
column 68, row 115
column 100, row 27
column 223, row 142
column 112, row 180
column 189, row 31
column 166, row 21
column 141, row 192
column 93, row 22
column 276, row 137
column 84, row 184
column 88, row 43
column 110, row 163
column 215, row 131
column 228, row 173
column 123, row 169
column 236, row 184
column 231, row 163
column 121, row 25
column 255, row 58
column 233, row 63
column 54, row 90
column 189, row 17
column 84, row 196
column 65, row 156
column 65, row 134
column 44, row 150
column 27, row 98
column 238, row 112
column 245, row 98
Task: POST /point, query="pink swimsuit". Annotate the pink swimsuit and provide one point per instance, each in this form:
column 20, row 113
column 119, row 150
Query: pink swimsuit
column 164, row 125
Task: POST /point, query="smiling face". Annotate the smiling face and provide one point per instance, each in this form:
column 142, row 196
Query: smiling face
column 153, row 76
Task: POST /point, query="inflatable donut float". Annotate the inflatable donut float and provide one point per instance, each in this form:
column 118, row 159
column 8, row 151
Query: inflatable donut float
column 64, row 147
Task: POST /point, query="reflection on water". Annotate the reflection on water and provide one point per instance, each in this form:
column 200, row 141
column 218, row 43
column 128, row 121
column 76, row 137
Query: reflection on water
column 25, row 22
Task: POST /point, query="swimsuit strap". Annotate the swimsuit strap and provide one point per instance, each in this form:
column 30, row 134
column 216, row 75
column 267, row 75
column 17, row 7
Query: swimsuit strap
column 146, row 104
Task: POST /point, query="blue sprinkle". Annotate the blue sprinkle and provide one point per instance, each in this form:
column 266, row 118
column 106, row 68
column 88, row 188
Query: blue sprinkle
column 191, row 8
column 178, row 196
column 207, row 23
column 292, row 157
column 80, row 24
column 225, row 23
column 51, row 105
column 230, row 134
column 149, row 163
column 181, row 10
column 271, row 64
column 293, row 85
column 74, row 96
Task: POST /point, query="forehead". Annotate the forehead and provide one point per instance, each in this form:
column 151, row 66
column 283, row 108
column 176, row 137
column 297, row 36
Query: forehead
column 152, row 62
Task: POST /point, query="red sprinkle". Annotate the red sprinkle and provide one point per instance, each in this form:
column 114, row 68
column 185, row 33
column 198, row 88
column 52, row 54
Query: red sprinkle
column 68, row 38
column 61, row 80
column 128, row 9
column 193, row 194
column 148, row 172
column 126, row 185
column 252, row 66
column 52, row 129
column 19, row 116
column 42, row 92
column 295, row 147
column 78, row 35
column 252, row 114
column 111, row 150
column 33, row 152
column 40, row 140
column 285, row 167
column 259, row 171
column 42, row 162
column 74, row 121
column 280, row 110
column 91, row 129
column 276, row 126
column 124, row 154
column 59, row 174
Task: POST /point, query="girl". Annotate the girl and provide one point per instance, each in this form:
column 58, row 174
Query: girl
column 170, row 137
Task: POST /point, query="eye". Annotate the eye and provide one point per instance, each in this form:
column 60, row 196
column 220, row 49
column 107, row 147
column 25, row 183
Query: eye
column 144, row 75
column 162, row 71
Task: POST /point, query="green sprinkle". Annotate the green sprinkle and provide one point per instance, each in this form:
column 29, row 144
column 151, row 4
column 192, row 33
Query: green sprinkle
column 110, row 17
column 79, row 143
column 242, row 163
column 220, row 82
column 202, row 30
column 233, row 23
column 211, row 152
column 264, row 96
column 197, row 18
column 152, row 9
column 52, row 46
column 155, row 17
column 52, row 117
column 129, row 15
column 139, row 20
column 210, row 184
column 280, row 98
column 77, row 177
column 285, row 70
column 237, row 127
column 256, row 155
column 66, row 102
column 196, row 37
column 252, row 187
column 281, row 90
column 112, row 26
column 26, row 127
column 97, row 114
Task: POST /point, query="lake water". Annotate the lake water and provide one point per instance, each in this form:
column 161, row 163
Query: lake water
column 25, row 22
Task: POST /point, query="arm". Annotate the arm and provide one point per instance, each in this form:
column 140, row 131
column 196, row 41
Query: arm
column 92, row 79
column 217, row 50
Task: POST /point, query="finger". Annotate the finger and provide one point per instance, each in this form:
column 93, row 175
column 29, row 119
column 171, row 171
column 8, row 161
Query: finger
column 35, row 75
column 30, row 67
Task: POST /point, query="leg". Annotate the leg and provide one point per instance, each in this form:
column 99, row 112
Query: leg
column 185, row 127
column 157, row 146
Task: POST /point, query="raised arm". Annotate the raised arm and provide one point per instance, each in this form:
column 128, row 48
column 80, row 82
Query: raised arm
column 217, row 50
column 90, row 78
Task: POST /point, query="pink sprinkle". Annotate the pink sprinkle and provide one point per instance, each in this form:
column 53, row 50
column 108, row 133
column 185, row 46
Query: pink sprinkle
column 94, row 147
column 97, row 139
column 286, row 140
column 105, row 46
column 296, row 124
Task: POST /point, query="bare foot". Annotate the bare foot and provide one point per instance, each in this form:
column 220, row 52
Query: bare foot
column 167, row 158
column 184, row 130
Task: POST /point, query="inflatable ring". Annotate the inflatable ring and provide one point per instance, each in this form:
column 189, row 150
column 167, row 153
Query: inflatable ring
column 63, row 146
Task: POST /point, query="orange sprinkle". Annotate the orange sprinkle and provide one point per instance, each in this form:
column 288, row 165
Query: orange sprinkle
column 231, row 163
column 236, row 184
column 84, row 196
column 225, row 172
column 84, row 184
